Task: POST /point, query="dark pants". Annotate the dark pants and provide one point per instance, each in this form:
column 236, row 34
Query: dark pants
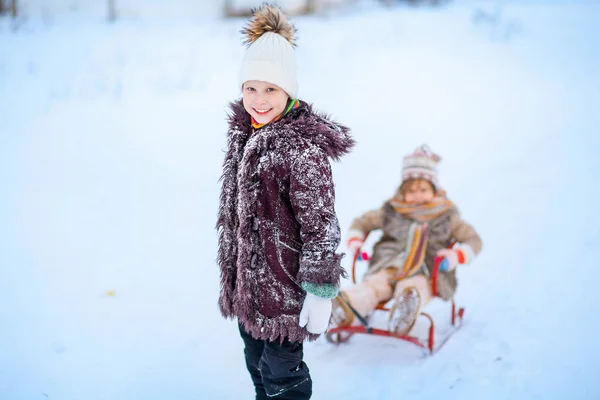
column 276, row 369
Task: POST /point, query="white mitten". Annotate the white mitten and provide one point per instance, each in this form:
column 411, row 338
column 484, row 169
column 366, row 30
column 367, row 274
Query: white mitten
column 450, row 259
column 315, row 313
column 462, row 254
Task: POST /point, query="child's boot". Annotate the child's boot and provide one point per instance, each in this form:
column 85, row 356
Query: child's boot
column 404, row 311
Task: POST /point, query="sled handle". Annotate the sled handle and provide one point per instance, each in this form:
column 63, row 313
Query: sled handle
column 434, row 274
column 357, row 255
column 437, row 263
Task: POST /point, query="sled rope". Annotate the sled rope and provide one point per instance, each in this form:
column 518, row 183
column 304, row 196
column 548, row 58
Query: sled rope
column 362, row 319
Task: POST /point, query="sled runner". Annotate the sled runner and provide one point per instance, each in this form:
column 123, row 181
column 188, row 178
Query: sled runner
column 342, row 334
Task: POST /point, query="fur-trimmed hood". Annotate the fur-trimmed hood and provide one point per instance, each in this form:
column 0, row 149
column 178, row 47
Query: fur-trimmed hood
column 302, row 124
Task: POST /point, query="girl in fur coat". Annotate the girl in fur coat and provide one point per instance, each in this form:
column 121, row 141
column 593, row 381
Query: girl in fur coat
column 419, row 223
column 278, row 230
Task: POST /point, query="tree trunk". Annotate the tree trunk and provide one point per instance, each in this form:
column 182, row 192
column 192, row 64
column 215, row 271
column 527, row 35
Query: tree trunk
column 112, row 10
column 14, row 8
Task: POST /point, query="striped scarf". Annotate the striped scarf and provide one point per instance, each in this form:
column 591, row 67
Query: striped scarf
column 292, row 104
column 422, row 212
column 416, row 245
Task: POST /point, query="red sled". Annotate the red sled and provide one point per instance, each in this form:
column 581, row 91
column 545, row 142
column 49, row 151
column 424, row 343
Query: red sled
column 342, row 334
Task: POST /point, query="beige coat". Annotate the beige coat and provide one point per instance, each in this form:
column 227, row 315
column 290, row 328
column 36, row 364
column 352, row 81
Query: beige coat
column 389, row 251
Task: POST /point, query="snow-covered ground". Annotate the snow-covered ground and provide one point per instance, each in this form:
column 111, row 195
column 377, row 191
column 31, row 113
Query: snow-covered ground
column 111, row 140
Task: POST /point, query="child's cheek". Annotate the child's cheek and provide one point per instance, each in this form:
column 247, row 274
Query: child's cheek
column 246, row 103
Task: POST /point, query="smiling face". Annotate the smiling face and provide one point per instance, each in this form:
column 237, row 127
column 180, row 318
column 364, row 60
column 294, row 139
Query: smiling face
column 264, row 101
column 417, row 191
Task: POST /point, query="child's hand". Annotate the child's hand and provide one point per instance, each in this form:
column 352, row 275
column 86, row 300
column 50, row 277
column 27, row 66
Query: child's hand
column 449, row 259
column 461, row 254
column 355, row 241
column 315, row 313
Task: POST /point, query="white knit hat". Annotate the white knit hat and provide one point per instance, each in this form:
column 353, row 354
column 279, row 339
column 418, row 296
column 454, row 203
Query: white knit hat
column 270, row 55
column 421, row 164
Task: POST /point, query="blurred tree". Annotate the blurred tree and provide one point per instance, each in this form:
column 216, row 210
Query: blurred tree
column 5, row 7
column 414, row 2
column 112, row 10
column 241, row 8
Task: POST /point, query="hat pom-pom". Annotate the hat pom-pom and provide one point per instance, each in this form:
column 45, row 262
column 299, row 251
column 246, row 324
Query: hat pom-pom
column 426, row 151
column 268, row 18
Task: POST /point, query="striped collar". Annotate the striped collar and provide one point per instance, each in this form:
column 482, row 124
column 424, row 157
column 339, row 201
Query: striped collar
column 292, row 104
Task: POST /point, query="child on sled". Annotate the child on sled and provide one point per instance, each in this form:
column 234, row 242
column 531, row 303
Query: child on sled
column 419, row 224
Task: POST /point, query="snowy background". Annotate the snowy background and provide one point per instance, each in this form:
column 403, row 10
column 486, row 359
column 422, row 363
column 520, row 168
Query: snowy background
column 111, row 143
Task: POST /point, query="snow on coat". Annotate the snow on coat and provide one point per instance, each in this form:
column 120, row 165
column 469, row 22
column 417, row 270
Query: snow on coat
column 277, row 224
